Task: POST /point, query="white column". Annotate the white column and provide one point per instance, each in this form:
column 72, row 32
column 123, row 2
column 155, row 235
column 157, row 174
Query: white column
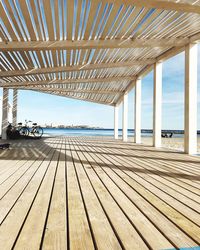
column 137, row 120
column 14, row 110
column 157, row 105
column 116, row 116
column 4, row 114
column 190, row 140
column 125, row 118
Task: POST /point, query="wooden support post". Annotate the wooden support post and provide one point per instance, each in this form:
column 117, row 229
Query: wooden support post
column 190, row 138
column 116, row 115
column 157, row 105
column 138, row 111
column 125, row 117
column 4, row 113
column 14, row 110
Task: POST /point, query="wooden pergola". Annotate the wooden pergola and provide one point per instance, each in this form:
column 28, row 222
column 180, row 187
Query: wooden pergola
column 98, row 51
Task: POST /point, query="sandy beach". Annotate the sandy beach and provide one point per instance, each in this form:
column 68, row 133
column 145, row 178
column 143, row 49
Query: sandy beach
column 172, row 143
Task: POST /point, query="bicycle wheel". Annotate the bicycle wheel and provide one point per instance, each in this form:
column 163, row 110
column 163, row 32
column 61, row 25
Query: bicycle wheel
column 24, row 131
column 38, row 131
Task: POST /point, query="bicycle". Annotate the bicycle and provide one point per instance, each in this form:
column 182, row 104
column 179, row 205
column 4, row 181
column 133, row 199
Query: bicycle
column 25, row 130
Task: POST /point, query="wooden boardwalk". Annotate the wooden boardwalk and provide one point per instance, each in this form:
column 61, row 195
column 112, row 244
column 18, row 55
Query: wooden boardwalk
column 89, row 193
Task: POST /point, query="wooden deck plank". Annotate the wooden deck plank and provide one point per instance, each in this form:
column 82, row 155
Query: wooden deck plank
column 176, row 164
column 179, row 219
column 8, row 163
column 11, row 227
column 142, row 223
column 163, row 167
column 145, row 170
column 10, row 169
column 79, row 231
column 176, row 200
column 11, row 191
column 97, row 193
column 104, row 236
column 166, row 227
column 171, row 179
column 129, row 237
column 16, row 174
column 55, row 236
column 39, row 211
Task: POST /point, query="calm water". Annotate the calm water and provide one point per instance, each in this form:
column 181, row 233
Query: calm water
column 79, row 132
column 91, row 132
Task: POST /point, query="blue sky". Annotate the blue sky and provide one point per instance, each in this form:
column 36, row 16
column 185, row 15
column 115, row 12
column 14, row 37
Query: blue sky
column 44, row 108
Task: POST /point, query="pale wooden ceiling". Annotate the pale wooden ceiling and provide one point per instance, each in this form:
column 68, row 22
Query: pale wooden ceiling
column 87, row 49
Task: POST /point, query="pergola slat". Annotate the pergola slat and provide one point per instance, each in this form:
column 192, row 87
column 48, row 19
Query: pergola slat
column 164, row 4
column 75, row 68
column 65, row 90
column 89, row 44
column 107, row 80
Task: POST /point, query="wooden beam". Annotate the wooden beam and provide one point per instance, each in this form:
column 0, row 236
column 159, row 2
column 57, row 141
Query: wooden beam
column 195, row 38
column 35, row 71
column 68, row 81
column 84, row 91
column 92, row 44
column 158, row 4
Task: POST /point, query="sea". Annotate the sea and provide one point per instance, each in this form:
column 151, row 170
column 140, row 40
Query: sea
column 103, row 132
